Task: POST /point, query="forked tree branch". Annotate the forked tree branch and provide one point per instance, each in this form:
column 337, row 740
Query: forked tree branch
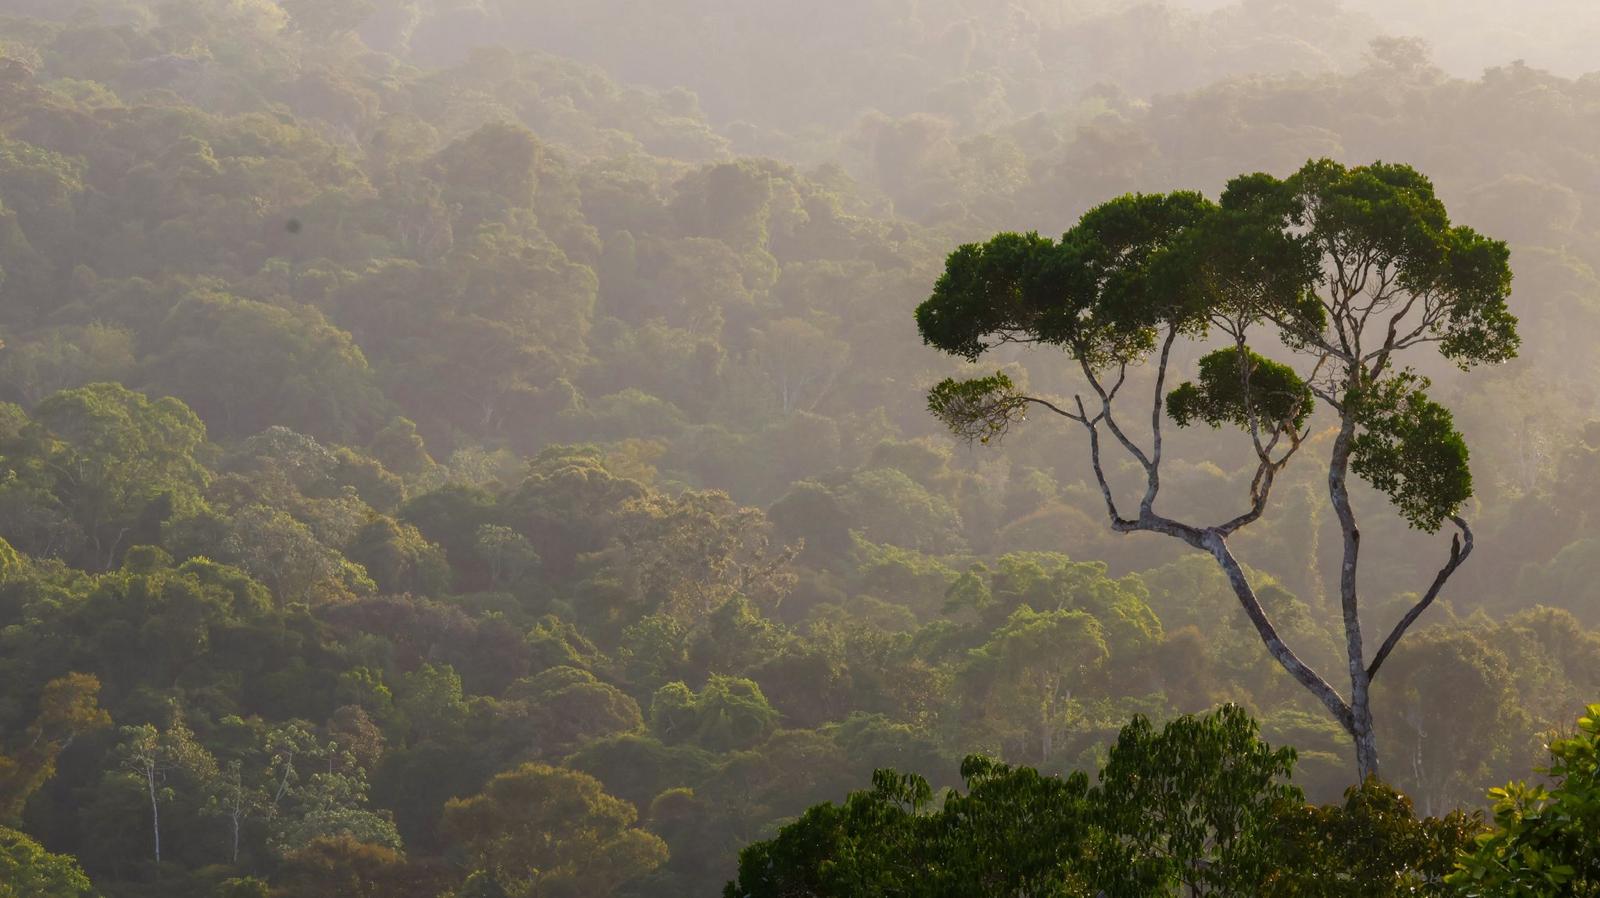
column 1460, row 548
column 1118, row 522
column 1051, row 406
column 1261, row 487
column 1267, row 467
column 1105, row 411
column 1211, row 540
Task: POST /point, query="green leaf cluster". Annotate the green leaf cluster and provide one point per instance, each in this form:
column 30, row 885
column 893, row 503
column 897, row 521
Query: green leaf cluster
column 1546, row 838
column 1241, row 388
column 980, row 409
column 1408, row 448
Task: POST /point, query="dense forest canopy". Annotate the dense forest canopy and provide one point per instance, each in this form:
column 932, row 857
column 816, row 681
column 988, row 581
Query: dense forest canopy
column 471, row 447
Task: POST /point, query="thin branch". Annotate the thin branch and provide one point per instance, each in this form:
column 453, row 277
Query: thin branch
column 1118, row 522
column 1013, row 337
column 1105, row 413
column 1266, row 474
column 1251, row 417
column 1460, row 548
column 1267, row 467
column 1392, row 341
column 1153, row 472
column 1055, row 408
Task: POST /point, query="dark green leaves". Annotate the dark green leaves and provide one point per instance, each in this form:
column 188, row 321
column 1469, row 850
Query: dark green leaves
column 1007, row 285
column 1409, row 449
column 1239, row 387
column 980, row 409
column 1261, row 256
column 1132, row 262
column 1015, row 832
column 1192, row 802
column 1099, row 292
column 1479, row 328
column 1380, row 227
column 1372, row 846
column 1353, row 265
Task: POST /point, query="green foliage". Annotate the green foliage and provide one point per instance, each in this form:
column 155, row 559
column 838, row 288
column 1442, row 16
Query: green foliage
column 333, row 806
column 889, row 506
column 69, row 708
column 1013, row 832
column 10, row 561
column 28, row 871
column 386, row 401
column 1138, row 263
column 540, row 830
column 729, row 713
column 1194, row 804
column 982, row 409
column 1241, row 388
column 1095, row 293
column 1458, row 683
column 109, row 460
column 637, row 767
column 1371, row 846
column 1025, row 677
column 1544, row 839
column 243, row 887
column 1391, row 213
column 340, row 866
column 1410, row 449
column 398, row 559
column 568, row 708
column 247, row 365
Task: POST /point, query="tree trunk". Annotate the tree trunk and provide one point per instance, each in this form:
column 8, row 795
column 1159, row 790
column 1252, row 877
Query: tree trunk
column 1213, row 542
column 1360, row 724
column 1366, row 742
column 155, row 814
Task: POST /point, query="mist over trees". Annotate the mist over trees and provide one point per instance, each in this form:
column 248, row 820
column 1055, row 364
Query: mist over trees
column 481, row 448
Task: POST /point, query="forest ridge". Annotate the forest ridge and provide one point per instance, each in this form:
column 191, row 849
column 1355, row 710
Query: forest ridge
column 473, row 449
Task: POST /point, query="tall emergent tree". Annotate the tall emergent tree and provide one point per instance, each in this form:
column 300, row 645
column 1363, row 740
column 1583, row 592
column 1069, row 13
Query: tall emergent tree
column 1346, row 268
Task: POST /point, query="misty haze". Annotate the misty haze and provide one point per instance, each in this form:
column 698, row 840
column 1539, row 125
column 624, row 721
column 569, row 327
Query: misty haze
column 780, row 449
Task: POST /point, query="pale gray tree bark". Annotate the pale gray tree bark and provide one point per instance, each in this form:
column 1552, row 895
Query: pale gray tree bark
column 1274, row 444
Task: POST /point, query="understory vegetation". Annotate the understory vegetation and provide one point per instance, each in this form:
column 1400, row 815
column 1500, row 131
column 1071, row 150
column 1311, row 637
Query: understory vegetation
column 477, row 448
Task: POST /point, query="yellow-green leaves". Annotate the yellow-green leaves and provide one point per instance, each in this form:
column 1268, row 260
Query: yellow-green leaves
column 981, row 409
column 28, row 871
column 10, row 561
column 541, row 830
column 1546, row 842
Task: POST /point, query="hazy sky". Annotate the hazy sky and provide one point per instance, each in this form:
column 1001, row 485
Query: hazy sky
column 1469, row 35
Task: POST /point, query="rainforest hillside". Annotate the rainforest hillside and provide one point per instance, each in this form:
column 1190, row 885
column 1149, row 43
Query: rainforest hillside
column 400, row 394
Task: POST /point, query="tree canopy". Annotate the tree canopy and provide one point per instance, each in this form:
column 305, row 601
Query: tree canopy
column 395, row 395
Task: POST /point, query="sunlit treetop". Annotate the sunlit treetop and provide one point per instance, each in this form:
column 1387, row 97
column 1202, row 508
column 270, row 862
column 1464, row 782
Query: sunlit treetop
column 1349, row 266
